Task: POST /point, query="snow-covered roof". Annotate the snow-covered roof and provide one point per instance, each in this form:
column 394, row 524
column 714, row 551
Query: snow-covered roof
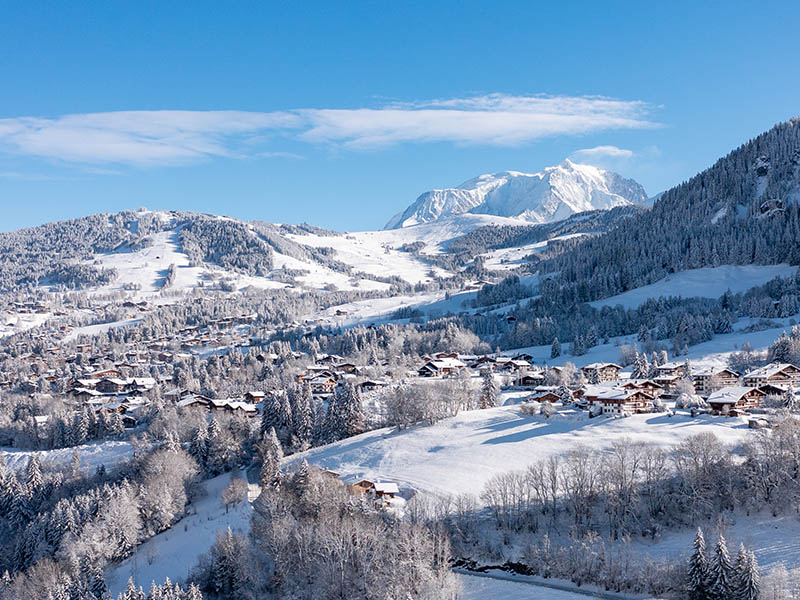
column 386, row 487
column 769, row 370
column 730, row 395
column 601, row 365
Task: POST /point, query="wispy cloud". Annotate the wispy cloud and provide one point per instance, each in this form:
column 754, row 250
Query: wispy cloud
column 170, row 137
column 602, row 152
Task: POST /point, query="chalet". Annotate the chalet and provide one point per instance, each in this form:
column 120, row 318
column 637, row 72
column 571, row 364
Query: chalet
column 105, row 373
column 346, row 367
column 548, row 396
column 191, row 401
column 600, row 372
column 735, row 399
column 708, row 380
column 482, row 361
column 524, row 356
column 667, row 382
column 531, row 379
column 672, row 369
column 385, row 489
column 254, row 397
column 774, row 389
column 111, row 385
column 514, row 365
column 441, row 367
column 371, row 384
column 775, row 373
column 617, row 400
column 321, row 384
column 362, row 487
column 648, row 385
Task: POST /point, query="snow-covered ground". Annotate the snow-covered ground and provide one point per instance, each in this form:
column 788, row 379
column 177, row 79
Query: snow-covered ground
column 509, row 587
column 109, row 453
column 172, row 553
column 460, row 454
column 710, row 282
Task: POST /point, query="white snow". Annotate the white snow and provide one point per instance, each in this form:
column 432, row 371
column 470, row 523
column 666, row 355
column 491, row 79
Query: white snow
column 477, row 587
column 710, row 282
column 172, row 553
column 460, row 454
column 109, row 453
column 549, row 195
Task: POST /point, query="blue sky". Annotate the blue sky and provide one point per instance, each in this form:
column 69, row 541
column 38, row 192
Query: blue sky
column 340, row 114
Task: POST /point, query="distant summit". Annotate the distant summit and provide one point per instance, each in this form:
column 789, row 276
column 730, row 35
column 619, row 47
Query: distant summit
column 552, row 194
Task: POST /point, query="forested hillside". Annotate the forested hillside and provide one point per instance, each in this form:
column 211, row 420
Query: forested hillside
column 743, row 210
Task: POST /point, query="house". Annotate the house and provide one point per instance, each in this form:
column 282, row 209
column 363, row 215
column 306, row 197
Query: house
column 532, row 379
column 321, row 384
column 618, row 400
column 191, row 401
column 362, row 487
column 708, row 380
column 111, row 385
column 775, row 373
column 735, row 399
column 513, row 365
column 254, row 397
column 648, row 385
column 547, row 396
column 672, row 369
column 371, row 384
column 385, row 489
column 600, row 372
column 668, row 382
column 440, row 367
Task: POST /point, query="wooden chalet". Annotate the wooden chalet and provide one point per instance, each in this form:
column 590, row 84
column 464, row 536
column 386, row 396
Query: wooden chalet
column 736, row 399
column 600, row 372
column 707, row 381
column 618, row 400
column 775, row 373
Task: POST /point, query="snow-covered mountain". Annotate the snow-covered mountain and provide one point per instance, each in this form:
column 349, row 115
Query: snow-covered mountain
column 549, row 195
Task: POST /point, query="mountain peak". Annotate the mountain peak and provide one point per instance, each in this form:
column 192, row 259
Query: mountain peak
column 552, row 194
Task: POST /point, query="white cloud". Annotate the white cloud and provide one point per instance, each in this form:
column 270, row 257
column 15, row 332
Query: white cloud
column 176, row 136
column 602, row 152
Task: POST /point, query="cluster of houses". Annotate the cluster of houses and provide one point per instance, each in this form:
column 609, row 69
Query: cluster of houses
column 610, row 391
column 329, row 370
column 724, row 390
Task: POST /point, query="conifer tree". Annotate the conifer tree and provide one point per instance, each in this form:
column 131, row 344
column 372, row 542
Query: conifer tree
column 720, row 572
column 302, row 419
column 746, row 580
column 488, row 390
column 555, row 349
column 697, row 574
column 271, row 455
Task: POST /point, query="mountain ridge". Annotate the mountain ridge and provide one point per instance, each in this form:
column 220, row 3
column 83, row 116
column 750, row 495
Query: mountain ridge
column 551, row 194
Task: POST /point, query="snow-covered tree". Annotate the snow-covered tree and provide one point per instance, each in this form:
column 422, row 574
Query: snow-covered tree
column 698, row 573
column 555, row 349
column 488, row 390
column 720, row 572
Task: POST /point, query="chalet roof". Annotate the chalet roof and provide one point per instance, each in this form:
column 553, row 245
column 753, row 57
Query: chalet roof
column 668, row 366
column 386, row 487
column 445, row 363
column 769, row 370
column 711, row 371
column 731, row 395
column 602, row 365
